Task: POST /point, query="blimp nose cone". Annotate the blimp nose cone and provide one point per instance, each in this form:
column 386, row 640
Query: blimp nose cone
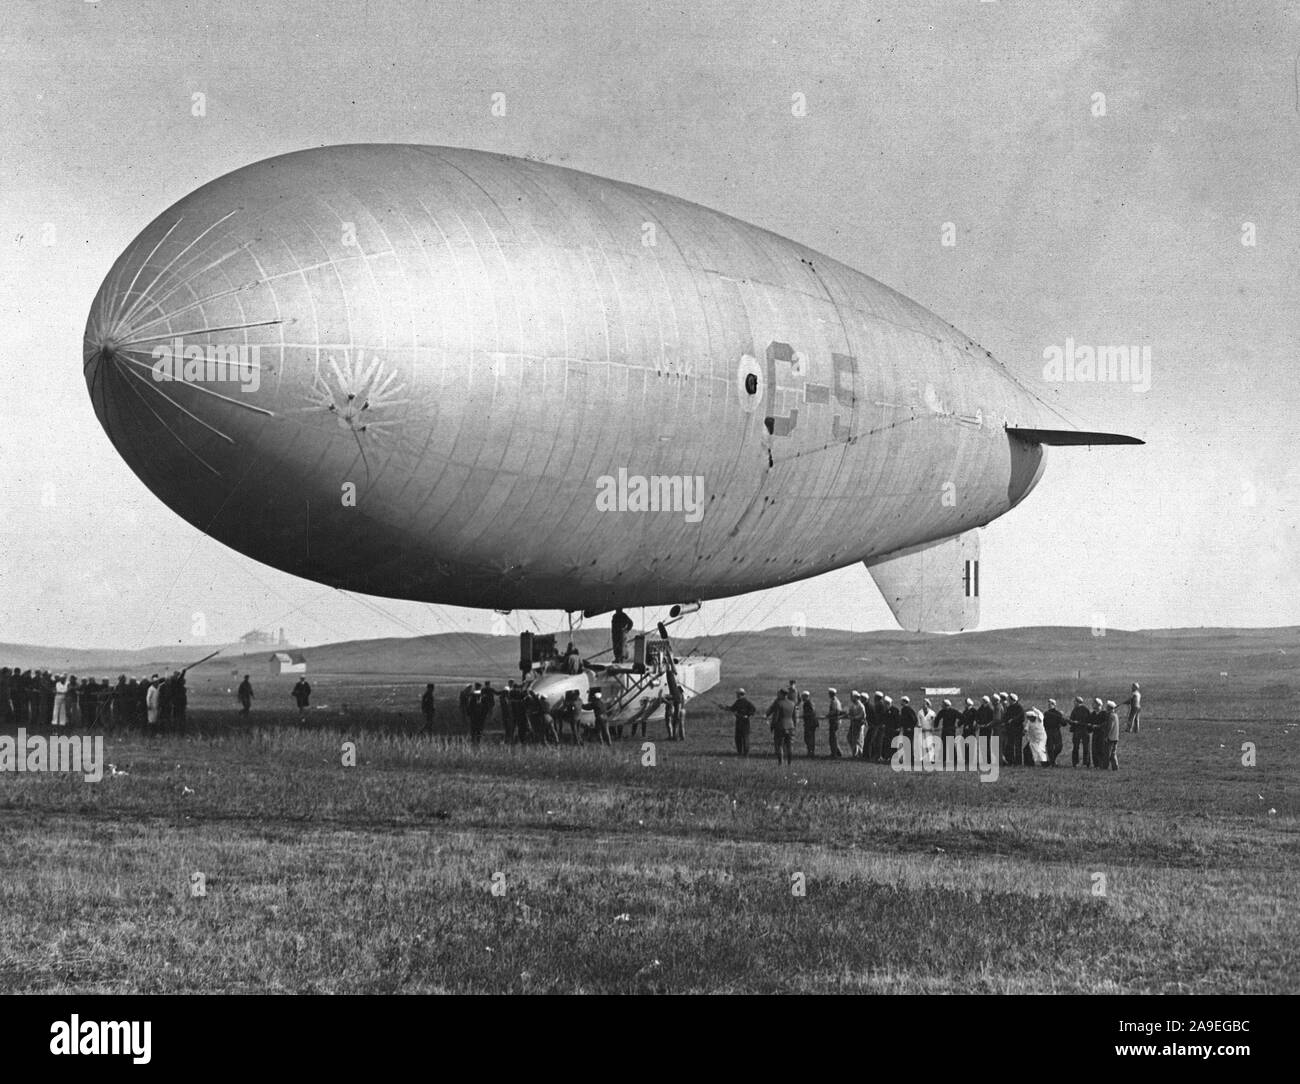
column 170, row 353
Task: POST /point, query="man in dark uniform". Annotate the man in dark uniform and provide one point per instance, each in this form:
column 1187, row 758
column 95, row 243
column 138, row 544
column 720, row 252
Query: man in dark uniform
column 518, row 713
column 875, row 725
column 907, row 721
column 893, row 725
column 781, row 714
column 301, row 695
column 596, row 705
column 997, row 728
column 428, row 708
column 1080, row 734
column 570, row 713
column 1098, row 727
column 1053, row 721
column 743, row 710
column 948, row 720
column 463, row 699
column 620, row 626
column 245, row 696
column 1013, row 723
column 808, row 714
column 477, row 715
column 180, row 698
column 507, row 716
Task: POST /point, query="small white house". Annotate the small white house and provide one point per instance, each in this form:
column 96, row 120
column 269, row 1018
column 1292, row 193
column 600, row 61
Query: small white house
column 282, row 662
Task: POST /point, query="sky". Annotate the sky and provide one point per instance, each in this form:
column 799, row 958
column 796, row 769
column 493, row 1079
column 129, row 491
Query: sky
column 1113, row 174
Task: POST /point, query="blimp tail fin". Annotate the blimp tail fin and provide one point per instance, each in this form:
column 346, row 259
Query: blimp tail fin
column 933, row 588
column 1069, row 437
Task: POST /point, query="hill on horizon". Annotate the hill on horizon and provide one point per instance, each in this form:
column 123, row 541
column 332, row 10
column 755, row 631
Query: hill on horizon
column 1197, row 657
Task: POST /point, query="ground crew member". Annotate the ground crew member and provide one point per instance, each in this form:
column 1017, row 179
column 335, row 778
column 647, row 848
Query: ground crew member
column 997, row 728
column 875, row 724
column 572, row 660
column 546, row 722
column 245, row 696
column 948, row 720
column 596, row 704
column 519, row 713
column 1112, row 736
column 1080, row 732
column 570, row 711
column 743, row 710
column 677, row 712
column 808, row 712
column 1099, row 727
column 620, row 626
column 477, row 715
column 834, row 712
column 781, row 715
column 1053, row 721
column 970, row 723
column 857, row 724
column 925, row 719
column 1134, row 703
column 1013, row 723
column 893, row 722
column 428, row 708
column 907, row 720
column 984, row 717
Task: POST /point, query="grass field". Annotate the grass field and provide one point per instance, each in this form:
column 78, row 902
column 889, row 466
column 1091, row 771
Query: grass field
column 614, row 876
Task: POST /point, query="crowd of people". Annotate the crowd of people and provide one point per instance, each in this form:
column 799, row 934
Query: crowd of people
column 869, row 724
column 40, row 698
column 872, row 721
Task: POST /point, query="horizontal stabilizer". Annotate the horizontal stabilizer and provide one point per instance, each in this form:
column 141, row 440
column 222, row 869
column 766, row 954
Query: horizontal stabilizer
column 935, row 588
column 1065, row 437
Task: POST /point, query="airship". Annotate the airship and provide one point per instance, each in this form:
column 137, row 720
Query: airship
column 467, row 378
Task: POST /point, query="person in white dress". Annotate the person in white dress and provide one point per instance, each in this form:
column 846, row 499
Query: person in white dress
column 60, row 717
column 1035, row 737
column 151, row 702
column 929, row 740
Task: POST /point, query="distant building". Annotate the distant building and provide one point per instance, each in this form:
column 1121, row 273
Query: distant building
column 262, row 636
column 283, row 662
